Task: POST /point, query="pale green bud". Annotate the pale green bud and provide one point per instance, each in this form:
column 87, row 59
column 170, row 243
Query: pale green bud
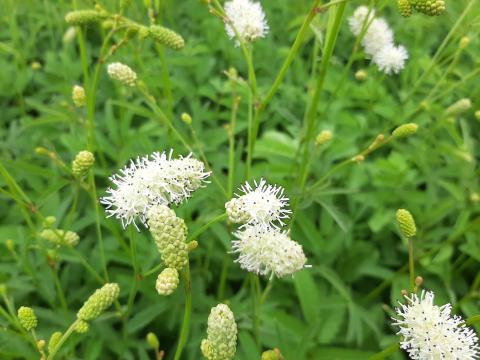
column 69, row 35
column 323, row 137
column 60, row 237
column 405, row 8
column 186, row 118
column 274, row 354
column 406, row 223
column 464, row 41
column 10, row 244
column 78, row 96
column 82, row 327
column 53, row 342
column 221, row 342
column 477, row 115
column 167, row 281
column 166, row 37
column 122, row 73
column 40, row 344
column 235, row 211
column 82, row 163
column 27, row 318
column 152, row 340
column 170, row 234
column 361, row 75
column 49, row 221
column 98, row 302
column 405, row 130
column 82, row 17
column 36, row 65
column 459, row 107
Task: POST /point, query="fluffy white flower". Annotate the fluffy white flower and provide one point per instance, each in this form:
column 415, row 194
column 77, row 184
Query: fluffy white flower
column 357, row 20
column 265, row 204
column 430, row 332
column 268, row 251
column 152, row 180
column 122, row 73
column 391, row 59
column 248, row 19
column 378, row 36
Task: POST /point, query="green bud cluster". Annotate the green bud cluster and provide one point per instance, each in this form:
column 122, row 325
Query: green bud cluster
column 323, row 137
column 429, row 7
column 27, row 318
column 98, row 302
column 82, row 163
column 170, row 234
column 152, row 340
column 166, row 37
column 82, row 327
column 405, row 130
column 459, row 107
column 78, row 96
column 406, row 223
column 60, row 237
column 53, row 342
column 221, row 341
column 167, row 281
column 405, row 7
column 82, row 17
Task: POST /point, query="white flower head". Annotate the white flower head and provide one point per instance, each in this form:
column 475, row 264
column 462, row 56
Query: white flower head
column 378, row 36
column 122, row 73
column 431, row 332
column 391, row 59
column 358, row 19
column 246, row 18
column 155, row 179
column 268, row 251
column 264, row 204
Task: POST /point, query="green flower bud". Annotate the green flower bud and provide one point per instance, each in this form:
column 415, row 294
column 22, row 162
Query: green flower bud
column 361, row 75
column 477, row 115
column 152, row 340
column 122, row 73
column 167, row 281
column 36, row 65
column 82, row 163
column 40, row 344
column 274, row 354
column 429, row 7
column 324, row 137
column 166, row 37
column 82, row 17
column 69, row 35
column 405, row 130
column 60, row 237
column 49, row 221
column 405, row 8
column 53, row 342
column 221, row 342
column 170, row 234
column 78, row 96
column 406, row 223
column 459, row 107
column 10, row 244
column 82, row 327
column 98, row 302
column 464, row 41
column 186, row 118
column 27, row 318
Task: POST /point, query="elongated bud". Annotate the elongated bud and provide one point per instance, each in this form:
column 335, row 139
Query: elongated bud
column 53, row 342
column 166, row 37
column 82, row 327
column 27, row 318
column 69, row 35
column 10, row 244
column 82, row 17
column 186, row 118
column 60, row 237
column 170, row 234
column 405, row 8
column 459, row 107
column 122, row 73
column 98, row 302
column 221, row 341
column 78, row 96
column 361, row 75
column 324, row 137
column 82, row 163
column 406, row 223
column 405, row 130
column 167, row 281
column 429, row 7
column 152, row 341
column 42, row 151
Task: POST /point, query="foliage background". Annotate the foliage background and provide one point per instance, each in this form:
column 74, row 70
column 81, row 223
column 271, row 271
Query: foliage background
column 334, row 310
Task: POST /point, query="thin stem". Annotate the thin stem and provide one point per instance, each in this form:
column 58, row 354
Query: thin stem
column 58, row 286
column 188, row 309
column 205, row 227
column 392, row 349
column 266, row 291
column 411, row 264
column 133, row 255
column 231, row 143
column 153, row 270
column 62, row 340
column 472, row 319
column 255, row 289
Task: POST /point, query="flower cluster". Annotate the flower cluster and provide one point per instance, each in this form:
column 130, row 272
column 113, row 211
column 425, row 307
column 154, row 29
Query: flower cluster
column 429, row 331
column 152, row 180
column 261, row 245
column 221, row 341
column 378, row 40
column 246, row 19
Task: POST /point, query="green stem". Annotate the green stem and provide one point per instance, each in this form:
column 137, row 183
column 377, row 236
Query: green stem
column 62, row 340
column 205, row 227
column 58, row 286
column 153, row 270
column 392, row 349
column 255, row 288
column 472, row 319
column 223, row 278
column 133, row 254
column 188, row 309
column 411, row 264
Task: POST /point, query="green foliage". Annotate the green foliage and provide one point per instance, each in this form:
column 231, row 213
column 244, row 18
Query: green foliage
column 340, row 308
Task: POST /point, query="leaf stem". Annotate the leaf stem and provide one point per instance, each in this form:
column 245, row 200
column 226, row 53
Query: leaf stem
column 188, row 309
